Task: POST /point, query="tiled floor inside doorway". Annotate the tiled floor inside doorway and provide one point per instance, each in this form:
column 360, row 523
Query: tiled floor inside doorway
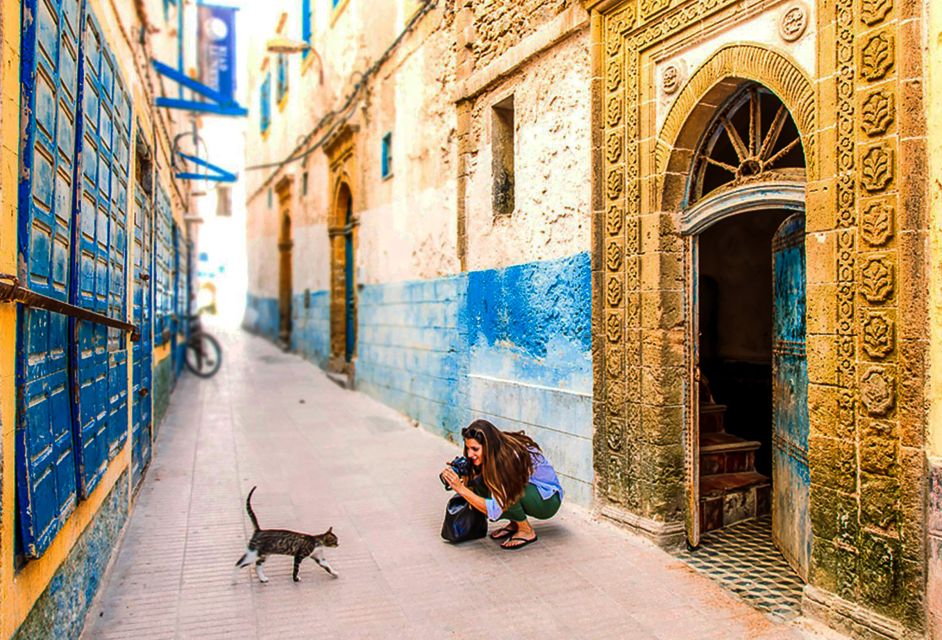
column 743, row 559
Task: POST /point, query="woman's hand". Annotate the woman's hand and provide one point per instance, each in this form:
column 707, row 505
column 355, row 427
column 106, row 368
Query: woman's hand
column 453, row 480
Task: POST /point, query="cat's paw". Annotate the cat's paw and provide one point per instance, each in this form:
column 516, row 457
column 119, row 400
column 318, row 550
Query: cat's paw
column 334, row 574
column 297, row 579
column 263, row 580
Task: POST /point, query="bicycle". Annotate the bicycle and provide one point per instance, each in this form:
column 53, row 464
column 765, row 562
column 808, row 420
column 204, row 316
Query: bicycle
column 203, row 353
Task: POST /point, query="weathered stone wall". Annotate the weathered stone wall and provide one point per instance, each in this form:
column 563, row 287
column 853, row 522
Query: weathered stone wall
column 499, row 25
column 61, row 609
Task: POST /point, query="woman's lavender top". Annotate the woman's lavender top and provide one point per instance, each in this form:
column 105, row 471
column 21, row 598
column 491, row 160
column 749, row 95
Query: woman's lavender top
column 543, row 478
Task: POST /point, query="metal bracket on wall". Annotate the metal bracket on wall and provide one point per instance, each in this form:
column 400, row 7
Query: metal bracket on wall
column 12, row 291
column 214, row 173
column 218, row 104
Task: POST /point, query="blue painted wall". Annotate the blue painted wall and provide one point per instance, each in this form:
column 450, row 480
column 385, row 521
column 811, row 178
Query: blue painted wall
column 310, row 333
column 261, row 316
column 511, row 345
column 411, row 352
column 529, row 333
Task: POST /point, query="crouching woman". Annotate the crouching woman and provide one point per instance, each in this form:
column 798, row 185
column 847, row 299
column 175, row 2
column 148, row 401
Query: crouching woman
column 510, row 480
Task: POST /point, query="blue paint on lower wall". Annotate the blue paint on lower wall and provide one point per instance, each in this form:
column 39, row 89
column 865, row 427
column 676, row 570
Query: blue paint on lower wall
column 310, row 330
column 262, row 316
column 60, row 610
column 511, row 345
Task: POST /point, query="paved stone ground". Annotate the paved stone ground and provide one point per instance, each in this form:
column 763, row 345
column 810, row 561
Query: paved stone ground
column 322, row 456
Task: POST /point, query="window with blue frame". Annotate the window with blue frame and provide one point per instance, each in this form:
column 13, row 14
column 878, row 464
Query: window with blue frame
column 281, row 86
column 386, row 157
column 306, row 27
column 334, row 3
column 265, row 104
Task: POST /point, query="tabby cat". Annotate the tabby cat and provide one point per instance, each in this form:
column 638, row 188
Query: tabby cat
column 266, row 542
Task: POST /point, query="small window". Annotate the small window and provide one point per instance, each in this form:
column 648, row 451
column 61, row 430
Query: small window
column 265, row 105
column 386, row 158
column 306, row 27
column 281, row 87
column 269, row 199
column 502, row 164
column 304, row 183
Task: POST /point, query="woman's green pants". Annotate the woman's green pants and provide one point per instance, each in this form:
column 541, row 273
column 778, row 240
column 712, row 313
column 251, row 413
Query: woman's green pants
column 532, row 504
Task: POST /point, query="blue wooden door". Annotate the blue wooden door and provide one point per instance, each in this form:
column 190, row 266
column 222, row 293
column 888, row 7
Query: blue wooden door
column 349, row 286
column 141, row 426
column 44, row 450
column 791, row 530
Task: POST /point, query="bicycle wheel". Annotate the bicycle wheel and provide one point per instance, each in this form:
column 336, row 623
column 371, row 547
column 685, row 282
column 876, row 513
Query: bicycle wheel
column 203, row 355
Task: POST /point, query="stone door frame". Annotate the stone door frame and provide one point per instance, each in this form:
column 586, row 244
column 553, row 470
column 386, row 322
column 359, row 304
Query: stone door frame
column 866, row 281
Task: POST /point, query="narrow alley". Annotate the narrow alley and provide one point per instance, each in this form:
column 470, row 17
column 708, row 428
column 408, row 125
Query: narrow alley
column 326, row 457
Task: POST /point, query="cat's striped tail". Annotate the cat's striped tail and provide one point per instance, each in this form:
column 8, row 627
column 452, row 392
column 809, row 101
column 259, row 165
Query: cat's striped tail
column 248, row 507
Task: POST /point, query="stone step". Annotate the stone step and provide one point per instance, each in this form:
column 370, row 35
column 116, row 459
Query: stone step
column 711, row 418
column 726, row 453
column 729, row 498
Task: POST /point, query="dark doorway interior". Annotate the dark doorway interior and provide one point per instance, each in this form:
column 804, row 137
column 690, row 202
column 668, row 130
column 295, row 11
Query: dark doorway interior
column 735, row 319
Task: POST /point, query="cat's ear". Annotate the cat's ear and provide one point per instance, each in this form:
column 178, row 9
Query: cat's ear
column 330, row 530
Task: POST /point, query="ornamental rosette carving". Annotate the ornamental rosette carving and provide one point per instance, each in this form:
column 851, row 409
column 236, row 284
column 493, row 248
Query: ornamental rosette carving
column 876, row 169
column 615, row 435
column 614, row 146
column 877, row 280
column 878, row 335
column 613, row 111
column 873, row 11
column 614, row 74
column 876, row 224
column 614, row 292
column 877, row 113
column 613, row 330
column 613, row 363
column 615, row 183
column 613, row 257
column 877, row 56
column 614, row 221
column 877, row 392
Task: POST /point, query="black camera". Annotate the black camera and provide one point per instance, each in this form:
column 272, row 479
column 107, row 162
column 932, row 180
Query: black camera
column 461, row 466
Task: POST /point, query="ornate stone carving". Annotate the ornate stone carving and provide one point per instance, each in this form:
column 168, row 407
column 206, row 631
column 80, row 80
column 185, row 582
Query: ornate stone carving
column 877, row 113
column 793, row 22
column 877, row 56
column 876, row 223
column 614, row 74
column 671, row 78
column 649, row 7
column 613, row 362
column 615, row 220
column 613, row 257
column 877, row 392
column 877, row 279
column 615, row 438
column 845, row 308
column 876, row 169
column 614, row 147
column 614, row 292
column 873, row 11
column 615, row 183
column 878, row 335
column 613, row 328
column 613, row 111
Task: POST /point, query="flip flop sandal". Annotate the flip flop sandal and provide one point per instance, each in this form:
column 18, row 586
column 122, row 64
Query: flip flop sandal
column 504, row 532
column 523, row 542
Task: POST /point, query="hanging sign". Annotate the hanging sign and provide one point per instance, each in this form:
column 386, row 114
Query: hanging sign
column 216, row 49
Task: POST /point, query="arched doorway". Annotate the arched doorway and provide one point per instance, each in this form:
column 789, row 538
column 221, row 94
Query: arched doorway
column 285, row 284
column 343, row 284
column 743, row 220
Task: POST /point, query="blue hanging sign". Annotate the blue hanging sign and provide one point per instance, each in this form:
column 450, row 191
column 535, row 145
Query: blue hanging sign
column 216, row 49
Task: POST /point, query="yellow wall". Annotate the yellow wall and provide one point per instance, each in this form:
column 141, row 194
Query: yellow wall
column 20, row 590
column 934, row 118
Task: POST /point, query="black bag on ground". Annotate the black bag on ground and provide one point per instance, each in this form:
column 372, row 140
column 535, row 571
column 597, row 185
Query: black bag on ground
column 462, row 521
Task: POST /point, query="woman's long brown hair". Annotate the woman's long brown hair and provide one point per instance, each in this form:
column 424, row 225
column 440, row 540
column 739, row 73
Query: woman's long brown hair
column 507, row 465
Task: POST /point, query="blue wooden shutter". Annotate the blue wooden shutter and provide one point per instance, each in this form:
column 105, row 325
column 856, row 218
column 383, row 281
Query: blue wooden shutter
column 45, row 464
column 100, row 371
column 265, row 104
column 163, row 257
column 143, row 316
column 306, row 32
